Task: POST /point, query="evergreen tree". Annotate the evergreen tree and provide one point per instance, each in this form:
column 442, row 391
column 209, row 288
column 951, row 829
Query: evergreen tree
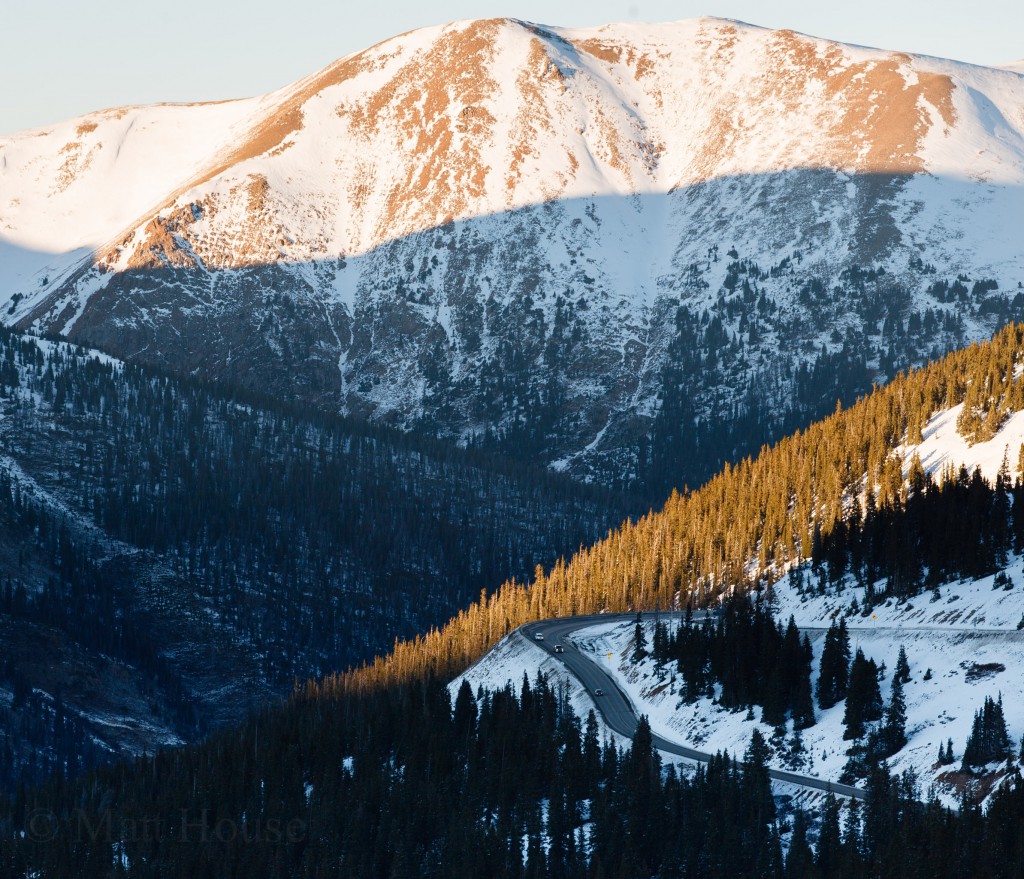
column 894, row 730
column 902, row 673
column 833, row 678
column 864, row 699
column 660, row 644
column 989, row 741
column 639, row 643
column 803, row 704
column 756, row 779
column 829, row 854
column 800, row 860
column 465, row 712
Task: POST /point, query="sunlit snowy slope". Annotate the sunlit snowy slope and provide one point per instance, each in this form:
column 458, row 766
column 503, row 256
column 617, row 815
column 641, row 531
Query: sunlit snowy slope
column 494, row 225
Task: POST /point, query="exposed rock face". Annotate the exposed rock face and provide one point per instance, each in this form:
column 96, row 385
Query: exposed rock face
column 552, row 237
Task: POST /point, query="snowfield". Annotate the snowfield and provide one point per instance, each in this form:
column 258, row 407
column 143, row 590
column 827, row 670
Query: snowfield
column 943, row 446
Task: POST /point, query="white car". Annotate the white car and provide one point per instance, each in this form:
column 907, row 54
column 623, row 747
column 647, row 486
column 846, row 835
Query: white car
column 538, row 637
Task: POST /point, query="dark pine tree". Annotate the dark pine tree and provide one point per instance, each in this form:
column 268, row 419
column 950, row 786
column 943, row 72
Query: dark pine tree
column 902, row 672
column 989, row 741
column 639, row 643
column 833, row 679
column 894, row 731
column 864, row 699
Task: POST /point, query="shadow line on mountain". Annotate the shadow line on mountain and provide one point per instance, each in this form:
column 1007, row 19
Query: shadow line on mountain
column 402, row 332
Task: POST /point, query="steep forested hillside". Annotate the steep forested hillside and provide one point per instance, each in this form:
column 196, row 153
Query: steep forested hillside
column 357, row 763
column 221, row 548
column 749, row 523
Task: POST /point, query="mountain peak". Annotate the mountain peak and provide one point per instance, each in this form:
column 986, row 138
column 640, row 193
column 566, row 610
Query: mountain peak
column 490, row 186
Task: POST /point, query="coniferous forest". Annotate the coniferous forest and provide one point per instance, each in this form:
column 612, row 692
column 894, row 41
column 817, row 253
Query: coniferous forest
column 402, row 783
column 191, row 555
column 750, row 658
column 360, row 760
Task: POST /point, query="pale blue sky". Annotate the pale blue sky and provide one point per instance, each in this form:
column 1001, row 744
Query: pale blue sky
column 61, row 58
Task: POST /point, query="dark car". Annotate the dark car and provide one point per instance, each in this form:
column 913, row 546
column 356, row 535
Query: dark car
column 598, row 692
column 559, row 648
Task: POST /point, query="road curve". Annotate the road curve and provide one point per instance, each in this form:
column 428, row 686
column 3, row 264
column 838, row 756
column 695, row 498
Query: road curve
column 615, row 707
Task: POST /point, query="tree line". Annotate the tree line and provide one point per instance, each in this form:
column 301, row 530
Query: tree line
column 927, row 532
column 747, row 525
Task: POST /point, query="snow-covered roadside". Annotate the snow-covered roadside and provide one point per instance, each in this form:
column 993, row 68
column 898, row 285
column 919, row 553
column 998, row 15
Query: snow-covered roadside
column 967, row 606
column 514, row 656
column 954, row 665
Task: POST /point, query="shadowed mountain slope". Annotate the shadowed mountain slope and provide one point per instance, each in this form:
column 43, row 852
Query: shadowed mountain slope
column 488, row 231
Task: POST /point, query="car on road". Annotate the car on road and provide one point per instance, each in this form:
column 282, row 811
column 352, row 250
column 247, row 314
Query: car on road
column 559, row 648
column 598, row 692
column 538, row 637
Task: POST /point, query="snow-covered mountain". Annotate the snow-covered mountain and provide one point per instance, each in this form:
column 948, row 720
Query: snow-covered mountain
column 553, row 236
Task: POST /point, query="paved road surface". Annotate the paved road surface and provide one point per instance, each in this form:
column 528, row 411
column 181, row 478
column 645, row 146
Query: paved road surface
column 615, row 707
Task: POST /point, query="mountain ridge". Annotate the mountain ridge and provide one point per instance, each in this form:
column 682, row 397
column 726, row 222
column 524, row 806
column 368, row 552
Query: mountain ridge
column 500, row 203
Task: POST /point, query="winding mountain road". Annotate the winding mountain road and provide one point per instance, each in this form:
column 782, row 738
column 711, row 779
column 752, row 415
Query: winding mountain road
column 616, row 708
